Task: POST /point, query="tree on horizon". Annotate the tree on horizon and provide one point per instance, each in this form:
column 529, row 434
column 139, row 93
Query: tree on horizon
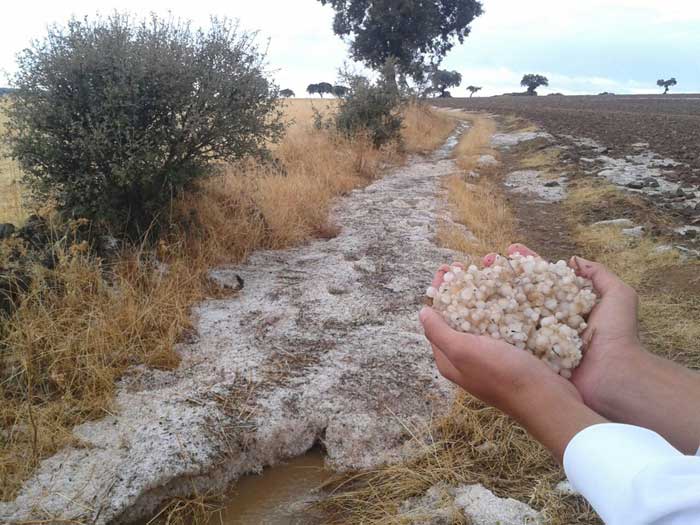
column 666, row 83
column 532, row 81
column 472, row 90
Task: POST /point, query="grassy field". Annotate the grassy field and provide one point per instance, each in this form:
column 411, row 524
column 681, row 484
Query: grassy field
column 75, row 334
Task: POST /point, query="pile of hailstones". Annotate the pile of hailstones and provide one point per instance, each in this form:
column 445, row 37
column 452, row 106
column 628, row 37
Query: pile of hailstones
column 528, row 302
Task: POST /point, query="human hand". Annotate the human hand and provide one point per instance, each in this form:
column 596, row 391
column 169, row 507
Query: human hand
column 510, row 379
column 611, row 339
column 496, row 372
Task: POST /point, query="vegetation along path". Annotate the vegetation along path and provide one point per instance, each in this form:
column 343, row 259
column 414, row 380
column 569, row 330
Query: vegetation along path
column 322, row 344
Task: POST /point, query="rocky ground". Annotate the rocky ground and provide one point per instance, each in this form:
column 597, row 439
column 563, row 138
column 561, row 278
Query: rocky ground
column 648, row 145
column 669, row 125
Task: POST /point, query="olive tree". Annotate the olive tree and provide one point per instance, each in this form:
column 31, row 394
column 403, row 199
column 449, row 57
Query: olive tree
column 666, row 83
column 442, row 80
column 340, row 91
column 410, row 34
column 286, row 93
column 113, row 116
column 472, row 90
column 325, row 88
column 532, row 82
column 369, row 107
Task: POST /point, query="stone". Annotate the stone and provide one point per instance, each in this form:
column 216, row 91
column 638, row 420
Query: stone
column 690, row 234
column 551, row 184
column 651, row 182
column 635, row 185
column 566, row 489
column 622, row 223
column 663, row 248
column 637, row 231
column 483, row 507
column 6, row 230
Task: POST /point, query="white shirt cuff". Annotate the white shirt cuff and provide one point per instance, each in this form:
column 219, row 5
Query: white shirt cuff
column 602, row 461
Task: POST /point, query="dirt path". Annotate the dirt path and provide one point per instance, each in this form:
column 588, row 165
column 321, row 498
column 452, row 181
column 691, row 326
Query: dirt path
column 321, row 345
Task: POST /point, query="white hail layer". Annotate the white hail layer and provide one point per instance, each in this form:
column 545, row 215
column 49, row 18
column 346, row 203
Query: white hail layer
column 528, row 302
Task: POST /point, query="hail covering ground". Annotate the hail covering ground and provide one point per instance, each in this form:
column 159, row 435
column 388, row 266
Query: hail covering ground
column 322, row 344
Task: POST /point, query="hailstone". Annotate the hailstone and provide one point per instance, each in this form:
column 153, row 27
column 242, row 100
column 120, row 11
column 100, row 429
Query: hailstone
column 535, row 305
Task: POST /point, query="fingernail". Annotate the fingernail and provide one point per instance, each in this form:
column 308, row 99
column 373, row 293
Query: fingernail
column 423, row 314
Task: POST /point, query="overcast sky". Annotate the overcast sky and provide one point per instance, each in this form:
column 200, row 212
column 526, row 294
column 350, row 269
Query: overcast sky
column 583, row 46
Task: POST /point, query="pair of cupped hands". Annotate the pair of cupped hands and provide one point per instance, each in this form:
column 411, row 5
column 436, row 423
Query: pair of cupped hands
column 513, row 380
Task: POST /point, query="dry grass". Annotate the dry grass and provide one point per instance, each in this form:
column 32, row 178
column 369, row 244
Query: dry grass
column 84, row 323
column 195, row 510
column 476, row 203
column 425, row 129
column 74, row 335
column 475, row 142
column 300, row 111
column 252, row 206
column 472, row 444
column 11, row 203
column 479, row 205
column 667, row 284
column 542, row 159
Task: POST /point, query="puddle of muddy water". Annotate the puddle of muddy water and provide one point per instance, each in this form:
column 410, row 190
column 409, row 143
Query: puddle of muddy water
column 278, row 495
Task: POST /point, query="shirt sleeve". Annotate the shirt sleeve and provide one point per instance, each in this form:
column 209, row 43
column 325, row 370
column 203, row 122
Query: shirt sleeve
column 633, row 476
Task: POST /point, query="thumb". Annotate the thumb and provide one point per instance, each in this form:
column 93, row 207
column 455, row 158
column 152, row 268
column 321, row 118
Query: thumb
column 603, row 279
column 455, row 345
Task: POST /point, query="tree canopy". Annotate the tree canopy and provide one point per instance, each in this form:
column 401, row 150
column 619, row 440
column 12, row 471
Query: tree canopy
column 325, row 88
column 321, row 88
column 412, row 33
column 532, row 81
column 340, row 91
column 286, row 93
column 472, row 90
column 666, row 83
column 113, row 116
column 442, row 80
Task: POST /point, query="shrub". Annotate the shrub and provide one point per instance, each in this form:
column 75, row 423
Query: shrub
column 371, row 108
column 113, row 117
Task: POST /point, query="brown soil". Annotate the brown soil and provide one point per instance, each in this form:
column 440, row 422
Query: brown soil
column 669, row 124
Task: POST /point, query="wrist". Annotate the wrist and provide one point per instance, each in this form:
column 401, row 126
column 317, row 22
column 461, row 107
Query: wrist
column 553, row 412
column 623, row 373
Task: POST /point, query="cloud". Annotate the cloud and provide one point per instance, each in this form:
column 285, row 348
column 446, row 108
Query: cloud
column 591, row 46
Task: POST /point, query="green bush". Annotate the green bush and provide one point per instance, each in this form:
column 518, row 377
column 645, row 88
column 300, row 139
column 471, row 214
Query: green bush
column 371, row 108
column 113, row 116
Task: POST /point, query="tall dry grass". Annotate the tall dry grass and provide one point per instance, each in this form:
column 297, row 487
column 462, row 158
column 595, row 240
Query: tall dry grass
column 475, row 142
column 425, row 129
column 479, row 205
column 12, row 208
column 476, row 203
column 84, row 323
column 667, row 283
